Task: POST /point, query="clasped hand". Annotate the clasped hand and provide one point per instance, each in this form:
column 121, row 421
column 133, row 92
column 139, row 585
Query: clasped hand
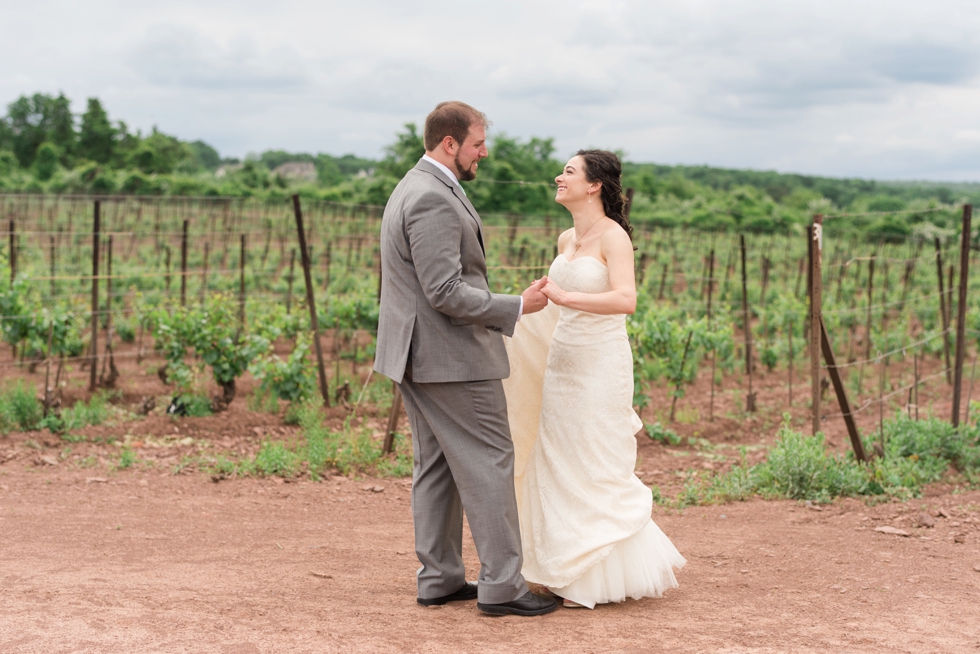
column 534, row 299
column 536, row 295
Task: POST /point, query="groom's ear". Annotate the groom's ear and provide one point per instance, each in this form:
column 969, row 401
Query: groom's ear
column 449, row 144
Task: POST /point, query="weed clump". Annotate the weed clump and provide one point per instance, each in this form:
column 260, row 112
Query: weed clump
column 20, row 410
column 348, row 450
column 800, row 467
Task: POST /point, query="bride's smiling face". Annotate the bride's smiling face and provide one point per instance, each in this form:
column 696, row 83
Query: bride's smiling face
column 573, row 187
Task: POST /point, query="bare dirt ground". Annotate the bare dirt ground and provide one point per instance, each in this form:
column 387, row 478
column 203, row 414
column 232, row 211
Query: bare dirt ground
column 160, row 558
column 151, row 562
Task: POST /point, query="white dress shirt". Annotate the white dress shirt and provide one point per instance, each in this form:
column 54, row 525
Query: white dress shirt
column 448, row 173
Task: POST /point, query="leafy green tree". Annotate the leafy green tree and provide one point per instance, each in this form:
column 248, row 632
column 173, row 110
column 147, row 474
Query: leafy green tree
column 253, row 174
column 327, row 171
column 97, row 137
column 160, row 153
column 33, row 120
column 6, row 136
column 126, row 144
column 7, row 162
column 61, row 131
column 206, row 156
column 46, row 161
column 352, row 165
column 402, row 155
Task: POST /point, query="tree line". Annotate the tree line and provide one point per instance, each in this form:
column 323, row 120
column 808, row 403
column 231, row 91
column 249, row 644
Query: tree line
column 46, row 148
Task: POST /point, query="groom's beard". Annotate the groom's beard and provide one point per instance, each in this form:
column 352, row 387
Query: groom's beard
column 465, row 174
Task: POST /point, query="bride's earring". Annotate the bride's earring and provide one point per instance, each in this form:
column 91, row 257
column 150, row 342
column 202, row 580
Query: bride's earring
column 590, row 197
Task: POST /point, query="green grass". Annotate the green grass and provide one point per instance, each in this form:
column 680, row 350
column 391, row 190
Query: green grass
column 348, row 450
column 263, row 401
column 94, row 412
column 800, row 467
column 20, row 409
column 126, row 458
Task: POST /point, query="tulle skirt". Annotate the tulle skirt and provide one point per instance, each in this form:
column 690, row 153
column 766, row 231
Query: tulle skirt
column 639, row 566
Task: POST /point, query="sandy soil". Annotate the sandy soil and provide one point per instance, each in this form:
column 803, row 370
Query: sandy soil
column 98, row 559
column 141, row 561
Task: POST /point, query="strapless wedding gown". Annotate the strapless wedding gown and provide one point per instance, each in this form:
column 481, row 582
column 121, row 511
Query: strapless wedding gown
column 585, row 518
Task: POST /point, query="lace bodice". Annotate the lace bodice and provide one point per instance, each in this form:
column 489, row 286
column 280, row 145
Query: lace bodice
column 584, row 275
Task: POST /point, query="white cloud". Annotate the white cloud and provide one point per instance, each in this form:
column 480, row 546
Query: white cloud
column 839, row 88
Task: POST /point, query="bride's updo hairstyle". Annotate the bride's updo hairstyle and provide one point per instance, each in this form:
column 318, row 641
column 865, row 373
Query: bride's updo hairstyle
column 604, row 166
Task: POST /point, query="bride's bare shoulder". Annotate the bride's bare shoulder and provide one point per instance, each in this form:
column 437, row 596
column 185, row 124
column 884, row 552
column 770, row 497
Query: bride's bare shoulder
column 616, row 243
column 564, row 238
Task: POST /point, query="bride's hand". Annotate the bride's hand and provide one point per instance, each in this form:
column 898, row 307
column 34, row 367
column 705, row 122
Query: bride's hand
column 554, row 292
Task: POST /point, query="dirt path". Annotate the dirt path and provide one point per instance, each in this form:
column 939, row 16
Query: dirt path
column 141, row 561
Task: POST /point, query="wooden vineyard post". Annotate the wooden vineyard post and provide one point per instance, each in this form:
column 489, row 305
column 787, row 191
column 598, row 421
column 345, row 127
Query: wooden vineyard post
column 789, row 331
column 326, row 268
column 47, row 370
column 680, row 375
column 961, row 312
column 845, row 406
column 949, row 296
column 310, row 301
column 109, row 360
column 94, row 358
column 809, row 285
column 166, row 259
column 12, row 251
column 816, row 301
column 871, row 294
column 944, row 315
column 908, row 276
column 183, row 265
column 915, row 382
column 396, row 409
column 711, row 284
column 747, row 327
column 53, row 256
column 289, row 281
column 881, row 404
column 663, row 282
column 241, row 285
column 204, row 273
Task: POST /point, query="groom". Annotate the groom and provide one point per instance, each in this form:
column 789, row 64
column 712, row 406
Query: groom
column 440, row 338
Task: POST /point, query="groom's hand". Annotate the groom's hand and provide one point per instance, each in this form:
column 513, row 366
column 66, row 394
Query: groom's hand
column 534, row 299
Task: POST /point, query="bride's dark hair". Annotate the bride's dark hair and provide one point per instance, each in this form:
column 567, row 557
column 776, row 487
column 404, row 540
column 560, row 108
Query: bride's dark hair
column 604, row 166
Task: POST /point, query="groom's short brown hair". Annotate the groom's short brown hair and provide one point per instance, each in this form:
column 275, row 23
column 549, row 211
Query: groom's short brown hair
column 453, row 119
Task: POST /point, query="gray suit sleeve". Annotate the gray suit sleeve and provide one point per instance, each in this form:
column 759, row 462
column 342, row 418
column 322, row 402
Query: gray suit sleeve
column 434, row 235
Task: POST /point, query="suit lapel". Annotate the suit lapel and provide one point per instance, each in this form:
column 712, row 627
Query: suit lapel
column 458, row 192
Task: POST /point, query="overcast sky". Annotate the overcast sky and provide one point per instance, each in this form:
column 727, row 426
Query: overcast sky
column 880, row 89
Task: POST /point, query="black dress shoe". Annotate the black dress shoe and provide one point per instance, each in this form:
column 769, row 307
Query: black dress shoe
column 530, row 604
column 467, row 592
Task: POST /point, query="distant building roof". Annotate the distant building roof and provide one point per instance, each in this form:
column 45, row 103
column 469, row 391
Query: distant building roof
column 303, row 170
column 224, row 169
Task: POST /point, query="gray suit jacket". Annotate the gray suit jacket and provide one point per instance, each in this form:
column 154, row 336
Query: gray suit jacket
column 436, row 304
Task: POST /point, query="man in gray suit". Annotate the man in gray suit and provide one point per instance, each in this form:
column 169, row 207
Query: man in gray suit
column 440, row 337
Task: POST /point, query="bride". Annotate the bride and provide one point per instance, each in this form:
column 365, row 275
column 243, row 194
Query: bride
column 585, row 519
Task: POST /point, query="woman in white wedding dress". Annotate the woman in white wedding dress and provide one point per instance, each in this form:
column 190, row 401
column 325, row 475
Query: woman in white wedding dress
column 586, row 529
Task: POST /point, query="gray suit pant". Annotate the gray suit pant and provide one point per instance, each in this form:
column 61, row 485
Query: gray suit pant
column 464, row 459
